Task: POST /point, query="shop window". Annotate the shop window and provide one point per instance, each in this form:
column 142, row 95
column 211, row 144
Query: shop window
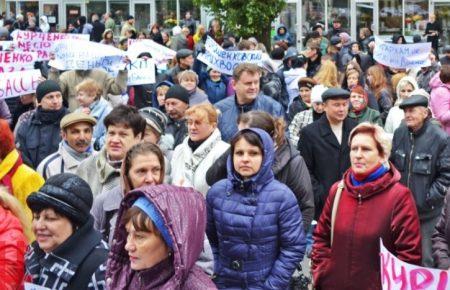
column 166, row 13
column 51, row 11
column 416, row 17
column 442, row 11
column 27, row 8
column 98, row 7
column 339, row 9
column 288, row 17
column 119, row 11
column 142, row 16
column 390, row 16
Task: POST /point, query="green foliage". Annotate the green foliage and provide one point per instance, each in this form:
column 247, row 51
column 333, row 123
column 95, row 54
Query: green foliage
column 245, row 17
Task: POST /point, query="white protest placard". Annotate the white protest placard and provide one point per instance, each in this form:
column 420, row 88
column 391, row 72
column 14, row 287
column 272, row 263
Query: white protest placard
column 30, row 286
column 225, row 61
column 70, row 55
column 141, row 72
column 159, row 52
column 402, row 55
column 41, row 42
column 19, row 83
column 17, row 60
column 398, row 275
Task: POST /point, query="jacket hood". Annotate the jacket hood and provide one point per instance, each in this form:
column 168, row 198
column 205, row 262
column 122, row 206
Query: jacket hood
column 283, row 155
column 265, row 173
column 401, row 83
column 163, row 83
column 436, row 82
column 281, row 26
column 369, row 189
column 184, row 214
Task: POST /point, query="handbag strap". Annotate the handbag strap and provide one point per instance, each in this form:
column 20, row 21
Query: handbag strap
column 335, row 207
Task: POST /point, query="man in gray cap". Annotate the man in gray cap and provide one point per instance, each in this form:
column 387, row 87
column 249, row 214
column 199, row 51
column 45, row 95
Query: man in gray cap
column 185, row 61
column 76, row 132
column 323, row 144
column 39, row 136
column 421, row 152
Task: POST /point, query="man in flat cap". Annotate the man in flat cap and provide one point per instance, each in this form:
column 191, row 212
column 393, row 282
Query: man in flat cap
column 324, row 145
column 421, row 152
column 76, row 132
column 185, row 61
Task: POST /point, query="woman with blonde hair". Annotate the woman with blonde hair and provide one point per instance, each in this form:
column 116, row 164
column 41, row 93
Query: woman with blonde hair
column 108, row 38
column 327, row 75
column 189, row 80
column 201, row 31
column 377, row 84
column 15, row 234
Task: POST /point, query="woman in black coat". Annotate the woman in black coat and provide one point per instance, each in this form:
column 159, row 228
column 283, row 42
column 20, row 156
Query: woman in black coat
column 288, row 167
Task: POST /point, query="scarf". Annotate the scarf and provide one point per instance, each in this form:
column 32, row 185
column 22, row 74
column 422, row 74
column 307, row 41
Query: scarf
column 195, row 144
column 116, row 164
column 75, row 154
column 376, row 172
column 50, row 116
column 7, row 179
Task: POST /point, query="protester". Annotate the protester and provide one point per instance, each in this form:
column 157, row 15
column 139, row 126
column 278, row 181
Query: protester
column 65, row 237
column 445, row 60
column 178, row 40
column 185, row 61
column 201, row 31
column 97, row 28
column 440, row 97
column 200, row 150
column 4, row 111
column 441, row 238
column 43, row 24
column 83, row 26
column 108, row 38
column 302, row 102
column 337, row 28
column 420, row 150
column 292, row 77
column 360, row 112
column 425, row 74
column 155, row 131
column 364, row 38
column 39, row 136
column 128, row 25
column 176, row 104
column 283, row 36
column 159, row 95
column 327, row 75
column 88, row 95
column 215, row 84
column 433, row 31
column 76, row 132
column 308, row 116
column 314, row 59
column 109, row 22
column 395, row 116
column 188, row 79
column 143, row 218
column 369, row 203
column 353, row 76
column 323, row 145
column 248, row 97
column 378, row 86
column 261, row 248
column 215, row 31
column 14, row 236
column 124, row 128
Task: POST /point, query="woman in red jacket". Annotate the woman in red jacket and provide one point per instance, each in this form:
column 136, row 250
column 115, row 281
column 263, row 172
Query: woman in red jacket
column 372, row 205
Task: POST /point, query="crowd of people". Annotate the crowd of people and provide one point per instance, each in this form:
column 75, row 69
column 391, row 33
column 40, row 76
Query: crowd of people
column 204, row 180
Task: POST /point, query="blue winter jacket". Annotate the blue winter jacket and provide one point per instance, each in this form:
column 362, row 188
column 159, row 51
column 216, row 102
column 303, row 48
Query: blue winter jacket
column 255, row 228
column 216, row 91
column 230, row 110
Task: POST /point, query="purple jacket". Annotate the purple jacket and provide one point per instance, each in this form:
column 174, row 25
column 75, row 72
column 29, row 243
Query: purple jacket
column 440, row 101
column 184, row 213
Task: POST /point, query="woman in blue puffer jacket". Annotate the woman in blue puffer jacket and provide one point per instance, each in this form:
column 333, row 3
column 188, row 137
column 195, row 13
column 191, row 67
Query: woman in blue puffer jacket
column 254, row 223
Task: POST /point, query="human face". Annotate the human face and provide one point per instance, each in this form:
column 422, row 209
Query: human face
column 175, row 108
column 78, row 136
column 352, row 80
column 145, row 170
column 247, row 87
column 214, row 75
column 247, row 159
column 141, row 36
column 85, row 99
column 305, row 94
column 355, row 48
column 364, row 155
column 320, row 31
column 415, row 117
column 27, row 99
column 145, row 249
column 199, row 129
column 357, row 101
column 151, row 136
column 187, row 62
column 406, row 91
column 318, row 107
column 161, row 96
column 52, row 101
column 50, row 229
column 189, row 84
column 336, row 110
column 118, row 140
column 336, row 25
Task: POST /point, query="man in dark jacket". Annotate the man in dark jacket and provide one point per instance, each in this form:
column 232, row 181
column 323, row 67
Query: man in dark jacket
column 185, row 61
column 97, row 28
column 421, row 152
column 39, row 136
column 246, row 78
column 176, row 104
column 324, row 145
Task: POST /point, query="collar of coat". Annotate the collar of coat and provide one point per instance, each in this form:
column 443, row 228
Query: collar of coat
column 328, row 135
column 104, row 169
column 84, row 240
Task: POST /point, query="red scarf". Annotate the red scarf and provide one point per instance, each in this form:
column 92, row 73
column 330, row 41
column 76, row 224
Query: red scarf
column 7, row 179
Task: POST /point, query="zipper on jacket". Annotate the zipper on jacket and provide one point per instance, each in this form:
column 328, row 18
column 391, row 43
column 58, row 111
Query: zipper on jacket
column 359, row 198
column 411, row 138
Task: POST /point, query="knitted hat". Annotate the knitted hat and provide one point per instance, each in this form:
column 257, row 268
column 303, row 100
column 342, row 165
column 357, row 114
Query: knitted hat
column 67, row 194
column 178, row 92
column 46, row 87
column 154, row 118
column 152, row 212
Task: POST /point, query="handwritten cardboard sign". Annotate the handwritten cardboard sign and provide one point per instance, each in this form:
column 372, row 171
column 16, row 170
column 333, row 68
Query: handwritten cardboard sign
column 19, row 83
column 398, row 275
column 16, row 61
column 402, row 55
column 141, row 72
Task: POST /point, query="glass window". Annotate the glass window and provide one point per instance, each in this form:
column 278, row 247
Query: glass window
column 142, row 17
column 166, row 13
column 51, row 11
column 288, row 17
column 313, row 12
column 98, row 7
column 119, row 12
column 339, row 9
column 188, row 5
column 73, row 11
column 11, row 9
column 364, row 16
column 28, row 8
column 390, row 16
column 442, row 11
column 416, row 17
